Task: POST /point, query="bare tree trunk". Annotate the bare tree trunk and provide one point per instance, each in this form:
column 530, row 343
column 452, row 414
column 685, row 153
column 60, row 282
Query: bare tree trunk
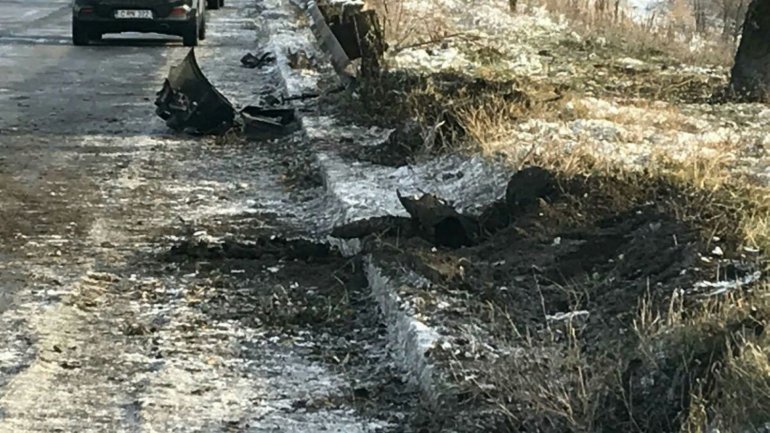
column 726, row 27
column 700, row 16
column 750, row 78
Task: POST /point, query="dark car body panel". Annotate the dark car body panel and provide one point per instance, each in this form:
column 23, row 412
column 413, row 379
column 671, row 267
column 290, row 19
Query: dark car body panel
column 103, row 20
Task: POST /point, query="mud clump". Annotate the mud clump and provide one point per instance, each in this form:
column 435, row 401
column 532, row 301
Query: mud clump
column 274, row 247
column 440, row 222
column 527, row 186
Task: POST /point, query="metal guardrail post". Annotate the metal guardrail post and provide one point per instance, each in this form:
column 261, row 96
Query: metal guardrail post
column 328, row 41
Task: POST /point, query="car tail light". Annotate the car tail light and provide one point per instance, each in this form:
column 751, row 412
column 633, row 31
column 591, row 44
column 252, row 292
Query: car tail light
column 180, row 11
column 86, row 10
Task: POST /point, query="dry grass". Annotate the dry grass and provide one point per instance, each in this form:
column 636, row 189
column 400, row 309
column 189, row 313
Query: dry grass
column 735, row 204
column 731, row 329
column 724, row 368
column 714, row 353
column 721, row 343
column 407, row 23
column 745, row 383
column 491, row 127
column 718, row 347
column 560, row 387
column 612, row 23
column 635, row 112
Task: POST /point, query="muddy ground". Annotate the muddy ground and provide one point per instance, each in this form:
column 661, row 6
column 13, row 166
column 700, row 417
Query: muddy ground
column 304, row 295
column 545, row 322
column 548, row 317
column 542, row 317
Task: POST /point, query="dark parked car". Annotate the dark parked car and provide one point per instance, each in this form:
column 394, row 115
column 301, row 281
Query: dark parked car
column 186, row 18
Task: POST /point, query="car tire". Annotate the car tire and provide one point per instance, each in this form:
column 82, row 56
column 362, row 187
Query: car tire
column 213, row 4
column 221, row 3
column 202, row 30
column 80, row 34
column 190, row 37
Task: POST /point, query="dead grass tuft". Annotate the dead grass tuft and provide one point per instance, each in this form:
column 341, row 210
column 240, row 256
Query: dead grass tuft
column 609, row 21
column 726, row 336
column 737, row 203
column 407, row 24
column 557, row 385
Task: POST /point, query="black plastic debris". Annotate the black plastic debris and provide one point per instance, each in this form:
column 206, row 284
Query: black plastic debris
column 382, row 226
column 301, row 97
column 440, row 222
column 188, row 102
column 258, row 60
column 268, row 123
column 430, row 217
column 435, row 220
column 328, row 41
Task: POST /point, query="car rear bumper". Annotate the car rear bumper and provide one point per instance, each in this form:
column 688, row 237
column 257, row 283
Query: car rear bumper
column 142, row 26
column 101, row 18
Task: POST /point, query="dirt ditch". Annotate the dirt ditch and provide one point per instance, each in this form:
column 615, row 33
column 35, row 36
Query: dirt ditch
column 547, row 321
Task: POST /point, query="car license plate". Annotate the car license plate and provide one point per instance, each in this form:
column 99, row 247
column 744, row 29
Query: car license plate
column 133, row 14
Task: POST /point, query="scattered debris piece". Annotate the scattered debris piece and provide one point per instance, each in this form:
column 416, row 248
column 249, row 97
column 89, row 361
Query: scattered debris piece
column 188, row 102
column 560, row 317
column 328, row 41
column 301, row 97
column 385, row 225
column 259, row 60
column 268, row 123
column 438, row 222
column 347, row 31
column 299, row 59
column 442, row 224
column 720, row 287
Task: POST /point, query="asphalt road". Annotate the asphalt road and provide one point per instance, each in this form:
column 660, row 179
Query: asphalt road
column 96, row 334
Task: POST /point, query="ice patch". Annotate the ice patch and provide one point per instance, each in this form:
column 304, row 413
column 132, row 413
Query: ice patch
column 366, row 190
column 720, row 287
